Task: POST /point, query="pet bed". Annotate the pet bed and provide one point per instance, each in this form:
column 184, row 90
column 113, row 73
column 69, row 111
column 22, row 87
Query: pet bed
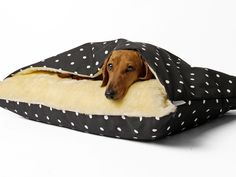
column 179, row 98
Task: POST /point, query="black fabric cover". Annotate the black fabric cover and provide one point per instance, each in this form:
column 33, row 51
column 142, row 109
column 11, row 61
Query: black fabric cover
column 206, row 93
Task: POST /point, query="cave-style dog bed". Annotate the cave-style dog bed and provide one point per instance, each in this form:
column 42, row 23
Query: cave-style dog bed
column 181, row 96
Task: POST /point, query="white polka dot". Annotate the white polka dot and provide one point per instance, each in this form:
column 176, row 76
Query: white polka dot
column 90, row 116
column 91, row 75
column 228, row 90
column 208, row 116
column 47, row 118
column 227, row 100
column 93, row 55
column 167, row 81
column 127, row 44
column 88, row 67
column 154, row 130
column 117, row 136
column 182, row 123
column 72, row 124
column 181, row 82
column 180, row 91
column 156, row 58
column 7, row 101
column 192, row 86
column 154, row 136
column 207, row 83
column 207, row 110
column 15, row 110
column 135, row 131
column 194, row 112
column 219, row 90
column 63, row 111
column 155, row 63
column 180, row 114
column 101, row 128
column 123, row 117
column 135, row 137
column 206, row 75
column 140, row 118
column 217, row 101
column 221, row 110
column 116, row 41
column 81, row 49
column 106, row 52
column 26, row 113
column 189, row 102
column 86, row 127
column 119, row 129
column 143, row 49
column 76, row 113
column 17, row 102
column 72, row 63
column 157, row 118
column 192, row 74
column 84, row 57
column 206, row 91
column 192, row 79
column 40, row 106
column 168, row 128
column 195, row 120
column 92, row 48
column 75, row 72
column 36, row 115
column 217, row 75
column 68, row 54
column 56, row 61
column 204, row 101
column 168, row 64
column 59, row 120
column 230, row 82
column 97, row 63
column 106, row 117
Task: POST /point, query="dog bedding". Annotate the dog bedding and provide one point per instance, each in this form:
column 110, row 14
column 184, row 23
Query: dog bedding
column 179, row 98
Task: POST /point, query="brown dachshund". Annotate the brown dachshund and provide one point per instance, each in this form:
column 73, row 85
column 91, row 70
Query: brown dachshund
column 120, row 70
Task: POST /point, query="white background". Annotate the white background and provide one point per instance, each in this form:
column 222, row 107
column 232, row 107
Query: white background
column 202, row 32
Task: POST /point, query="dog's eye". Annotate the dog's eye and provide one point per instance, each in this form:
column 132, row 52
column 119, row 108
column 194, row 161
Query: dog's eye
column 130, row 68
column 110, row 66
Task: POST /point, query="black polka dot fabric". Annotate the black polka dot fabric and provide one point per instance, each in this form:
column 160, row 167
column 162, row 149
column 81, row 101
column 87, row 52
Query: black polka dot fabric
column 204, row 94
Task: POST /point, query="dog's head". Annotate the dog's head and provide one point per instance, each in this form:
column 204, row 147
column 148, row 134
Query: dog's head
column 120, row 70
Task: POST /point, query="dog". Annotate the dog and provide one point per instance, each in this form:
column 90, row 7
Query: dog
column 120, row 70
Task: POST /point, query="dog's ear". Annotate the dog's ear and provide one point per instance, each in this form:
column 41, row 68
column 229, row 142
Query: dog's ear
column 105, row 76
column 146, row 73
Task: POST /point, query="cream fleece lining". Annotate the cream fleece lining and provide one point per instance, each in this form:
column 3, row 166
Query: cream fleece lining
column 145, row 98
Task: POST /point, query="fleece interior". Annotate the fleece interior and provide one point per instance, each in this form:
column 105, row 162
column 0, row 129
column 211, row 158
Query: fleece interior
column 144, row 98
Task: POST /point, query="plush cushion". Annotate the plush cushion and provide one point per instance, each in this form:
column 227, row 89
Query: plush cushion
column 180, row 97
column 86, row 96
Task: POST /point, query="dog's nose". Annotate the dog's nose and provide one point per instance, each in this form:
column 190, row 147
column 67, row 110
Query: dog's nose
column 110, row 93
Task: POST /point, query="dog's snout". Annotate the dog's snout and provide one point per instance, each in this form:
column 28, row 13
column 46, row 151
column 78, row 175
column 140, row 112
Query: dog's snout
column 110, row 93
